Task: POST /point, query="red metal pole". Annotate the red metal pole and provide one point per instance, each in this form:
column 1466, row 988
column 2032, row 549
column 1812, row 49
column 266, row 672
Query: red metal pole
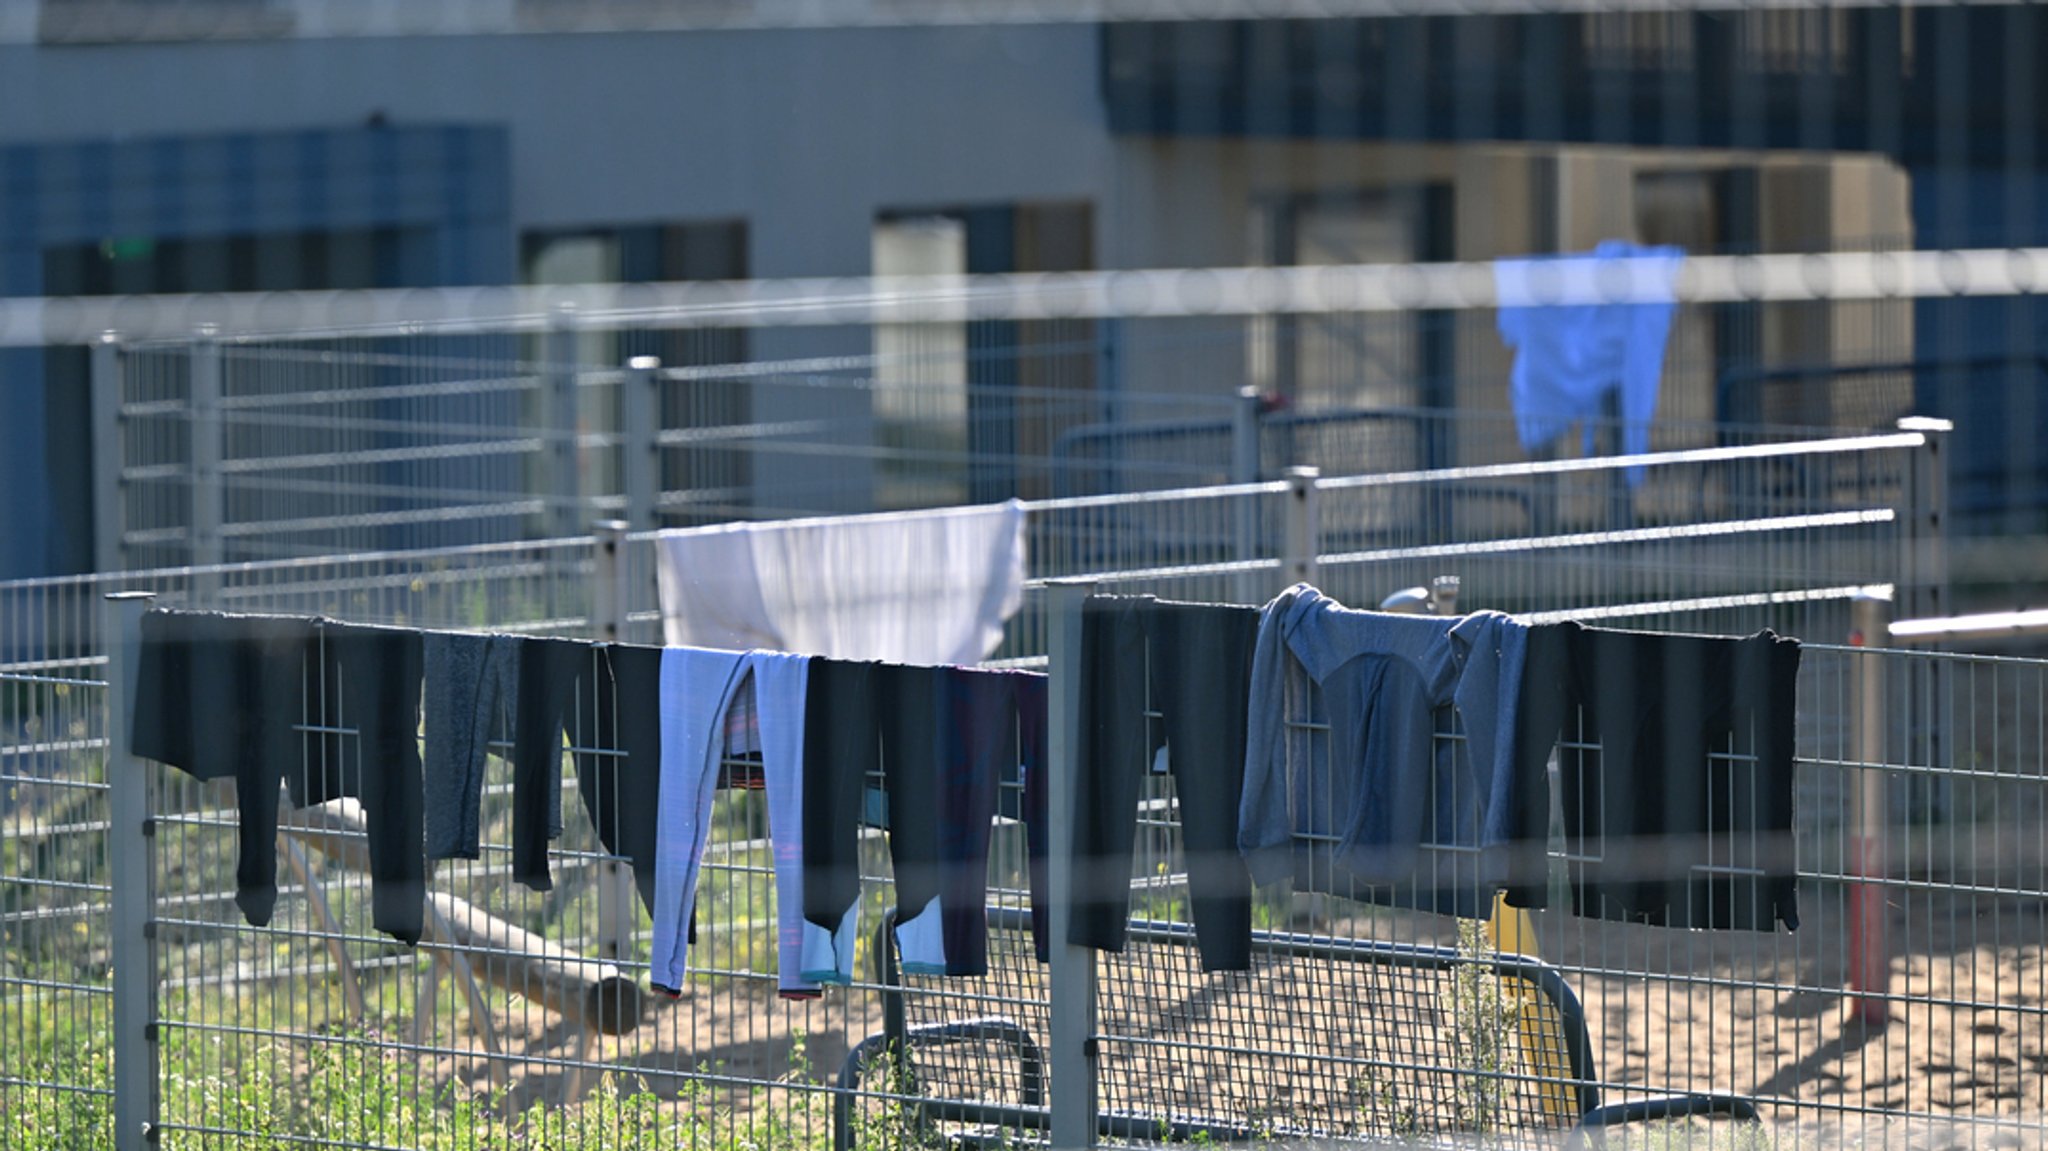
column 1870, row 968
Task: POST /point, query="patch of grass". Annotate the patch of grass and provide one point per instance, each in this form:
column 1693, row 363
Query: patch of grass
column 348, row 1086
column 57, row 1040
column 1482, row 1032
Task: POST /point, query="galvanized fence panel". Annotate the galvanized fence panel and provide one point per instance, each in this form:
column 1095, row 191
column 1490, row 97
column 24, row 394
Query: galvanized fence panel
column 1730, row 537
column 236, row 452
column 56, row 997
column 1231, row 544
column 242, row 450
column 542, row 586
column 521, row 1019
column 1705, row 539
column 1945, row 1038
column 1906, row 1009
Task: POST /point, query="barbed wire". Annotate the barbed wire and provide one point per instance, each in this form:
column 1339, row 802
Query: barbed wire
column 129, row 21
column 1158, row 293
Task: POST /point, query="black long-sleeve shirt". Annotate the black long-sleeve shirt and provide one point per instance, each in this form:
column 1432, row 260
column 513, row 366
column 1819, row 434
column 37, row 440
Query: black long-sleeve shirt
column 1676, row 766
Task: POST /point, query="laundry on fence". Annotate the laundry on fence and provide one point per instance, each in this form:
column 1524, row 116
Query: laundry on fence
column 922, row 587
column 471, row 681
column 621, row 736
column 939, row 740
column 227, row 697
column 1676, row 765
column 1190, row 664
column 1683, row 816
column 1388, row 758
column 1379, row 785
column 333, row 710
column 1404, row 760
column 696, row 687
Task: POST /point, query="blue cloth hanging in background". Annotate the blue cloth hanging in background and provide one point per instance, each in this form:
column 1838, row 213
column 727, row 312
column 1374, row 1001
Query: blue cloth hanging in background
column 1570, row 357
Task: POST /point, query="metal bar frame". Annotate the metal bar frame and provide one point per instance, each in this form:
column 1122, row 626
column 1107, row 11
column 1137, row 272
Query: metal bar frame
column 132, row 790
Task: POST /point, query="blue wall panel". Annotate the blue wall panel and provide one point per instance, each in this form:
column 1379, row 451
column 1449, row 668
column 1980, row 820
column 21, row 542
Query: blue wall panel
column 443, row 189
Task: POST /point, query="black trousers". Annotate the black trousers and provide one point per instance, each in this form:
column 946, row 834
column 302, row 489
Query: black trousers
column 1190, row 666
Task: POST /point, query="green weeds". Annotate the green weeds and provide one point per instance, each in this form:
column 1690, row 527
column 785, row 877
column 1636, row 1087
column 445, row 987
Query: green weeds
column 230, row 1090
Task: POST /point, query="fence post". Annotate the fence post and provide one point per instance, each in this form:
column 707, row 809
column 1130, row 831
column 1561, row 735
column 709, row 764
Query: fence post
column 558, row 404
column 1304, row 526
column 1924, row 567
column 128, row 845
column 1869, row 951
column 1073, row 968
column 1922, row 593
column 109, row 452
column 615, row 894
column 608, row 597
column 205, row 415
column 1244, row 469
column 639, row 443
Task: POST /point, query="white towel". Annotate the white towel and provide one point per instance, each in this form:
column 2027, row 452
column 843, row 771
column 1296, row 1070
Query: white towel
column 925, row 587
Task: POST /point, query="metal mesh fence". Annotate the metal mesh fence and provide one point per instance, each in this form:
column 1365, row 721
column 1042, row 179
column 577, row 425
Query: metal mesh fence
column 1724, row 534
column 55, row 999
column 521, row 1017
column 315, row 1005
column 1699, row 541
column 234, row 450
column 1958, row 767
column 1904, row 1010
column 1230, row 544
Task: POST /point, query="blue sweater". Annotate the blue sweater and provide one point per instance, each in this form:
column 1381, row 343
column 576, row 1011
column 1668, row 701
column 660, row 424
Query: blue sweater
column 1366, row 789
column 1570, row 357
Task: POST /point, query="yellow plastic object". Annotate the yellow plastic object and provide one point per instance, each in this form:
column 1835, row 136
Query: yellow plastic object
column 1513, row 932
column 1510, row 928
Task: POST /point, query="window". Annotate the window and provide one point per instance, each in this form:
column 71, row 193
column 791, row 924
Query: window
column 1802, row 40
column 920, row 398
column 268, row 262
column 706, row 482
column 1657, row 41
column 1346, row 360
column 969, row 412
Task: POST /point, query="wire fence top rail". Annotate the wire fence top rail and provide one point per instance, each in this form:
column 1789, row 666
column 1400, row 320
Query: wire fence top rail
column 1936, row 274
column 1915, row 437
column 422, row 557
column 352, row 19
column 1830, row 530
column 1161, row 497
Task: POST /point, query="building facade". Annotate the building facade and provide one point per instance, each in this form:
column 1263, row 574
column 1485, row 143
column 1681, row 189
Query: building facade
column 241, row 147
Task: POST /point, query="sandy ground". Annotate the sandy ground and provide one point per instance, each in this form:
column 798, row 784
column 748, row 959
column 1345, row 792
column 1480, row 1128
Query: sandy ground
column 1961, row 1034
column 1962, row 1045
